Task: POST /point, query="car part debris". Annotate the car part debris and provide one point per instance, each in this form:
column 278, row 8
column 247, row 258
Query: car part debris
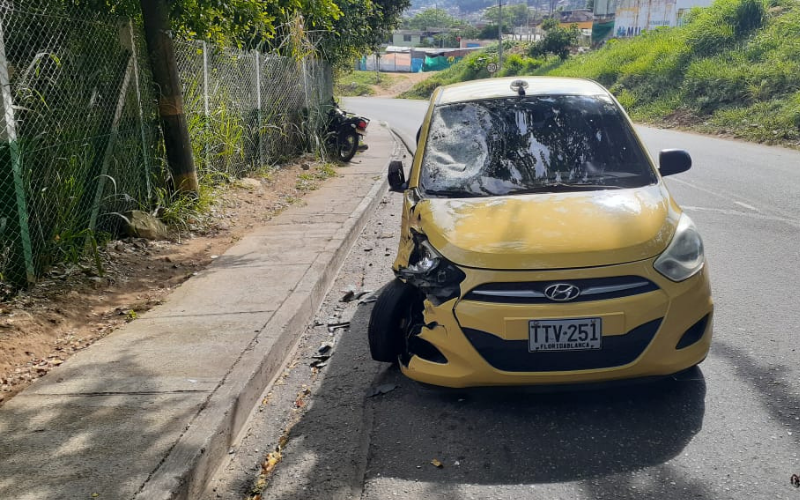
column 368, row 300
column 352, row 295
column 381, row 389
column 339, row 324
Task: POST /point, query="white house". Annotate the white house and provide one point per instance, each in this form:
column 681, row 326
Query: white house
column 634, row 16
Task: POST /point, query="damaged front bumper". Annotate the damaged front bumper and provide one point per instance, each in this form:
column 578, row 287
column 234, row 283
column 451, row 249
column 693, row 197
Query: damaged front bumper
column 462, row 342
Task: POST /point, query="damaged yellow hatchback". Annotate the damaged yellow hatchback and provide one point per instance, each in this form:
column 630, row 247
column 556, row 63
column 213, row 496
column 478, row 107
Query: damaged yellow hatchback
column 540, row 245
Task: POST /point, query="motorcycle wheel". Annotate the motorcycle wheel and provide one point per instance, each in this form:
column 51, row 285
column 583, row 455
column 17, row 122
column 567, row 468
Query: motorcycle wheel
column 347, row 145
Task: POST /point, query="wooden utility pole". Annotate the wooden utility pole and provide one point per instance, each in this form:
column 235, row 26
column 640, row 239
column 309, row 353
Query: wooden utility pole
column 170, row 98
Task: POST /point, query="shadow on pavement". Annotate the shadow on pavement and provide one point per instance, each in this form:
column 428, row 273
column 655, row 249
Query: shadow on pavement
column 515, row 435
column 102, row 441
column 498, row 436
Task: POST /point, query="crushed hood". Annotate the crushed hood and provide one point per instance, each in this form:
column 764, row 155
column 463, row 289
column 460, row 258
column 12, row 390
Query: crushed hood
column 551, row 230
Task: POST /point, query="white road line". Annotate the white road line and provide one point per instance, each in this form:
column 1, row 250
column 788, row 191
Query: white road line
column 728, row 211
column 745, row 205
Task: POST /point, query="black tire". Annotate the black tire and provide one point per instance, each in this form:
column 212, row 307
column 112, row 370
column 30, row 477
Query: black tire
column 396, row 175
column 387, row 323
column 347, row 145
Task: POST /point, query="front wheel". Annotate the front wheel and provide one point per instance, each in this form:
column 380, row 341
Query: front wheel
column 347, row 145
column 389, row 321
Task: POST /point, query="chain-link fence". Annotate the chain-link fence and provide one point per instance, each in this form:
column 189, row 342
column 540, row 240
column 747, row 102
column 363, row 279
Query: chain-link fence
column 80, row 142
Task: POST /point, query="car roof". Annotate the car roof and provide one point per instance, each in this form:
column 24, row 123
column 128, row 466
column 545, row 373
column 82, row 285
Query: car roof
column 492, row 88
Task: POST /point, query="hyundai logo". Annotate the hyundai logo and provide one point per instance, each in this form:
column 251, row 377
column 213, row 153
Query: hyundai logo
column 562, row 292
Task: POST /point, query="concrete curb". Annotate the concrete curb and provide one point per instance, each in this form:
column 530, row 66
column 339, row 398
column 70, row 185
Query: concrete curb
column 204, row 446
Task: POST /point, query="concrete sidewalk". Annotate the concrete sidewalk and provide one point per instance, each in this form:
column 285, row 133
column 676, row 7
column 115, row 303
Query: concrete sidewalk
column 150, row 411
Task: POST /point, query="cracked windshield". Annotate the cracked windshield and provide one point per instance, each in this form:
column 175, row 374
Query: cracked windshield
column 534, row 144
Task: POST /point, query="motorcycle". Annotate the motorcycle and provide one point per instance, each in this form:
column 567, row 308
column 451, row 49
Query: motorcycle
column 345, row 132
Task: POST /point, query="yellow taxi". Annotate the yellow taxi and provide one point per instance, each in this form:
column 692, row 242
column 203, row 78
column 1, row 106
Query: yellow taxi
column 540, row 245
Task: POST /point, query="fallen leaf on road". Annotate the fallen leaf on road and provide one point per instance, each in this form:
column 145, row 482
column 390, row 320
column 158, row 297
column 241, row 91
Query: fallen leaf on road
column 272, row 460
column 381, row 389
column 437, row 464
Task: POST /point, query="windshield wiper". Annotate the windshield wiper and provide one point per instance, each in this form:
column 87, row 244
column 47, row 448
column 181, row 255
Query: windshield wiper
column 452, row 193
column 561, row 187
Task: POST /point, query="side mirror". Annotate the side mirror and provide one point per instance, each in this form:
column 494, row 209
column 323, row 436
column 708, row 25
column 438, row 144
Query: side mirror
column 397, row 178
column 674, row 161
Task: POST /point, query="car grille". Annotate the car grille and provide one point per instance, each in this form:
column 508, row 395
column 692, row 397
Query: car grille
column 513, row 355
column 533, row 292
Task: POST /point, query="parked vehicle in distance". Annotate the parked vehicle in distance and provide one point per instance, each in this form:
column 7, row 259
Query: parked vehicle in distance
column 345, row 131
column 540, row 245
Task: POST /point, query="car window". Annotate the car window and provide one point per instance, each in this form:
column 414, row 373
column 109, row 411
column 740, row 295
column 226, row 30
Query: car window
column 537, row 143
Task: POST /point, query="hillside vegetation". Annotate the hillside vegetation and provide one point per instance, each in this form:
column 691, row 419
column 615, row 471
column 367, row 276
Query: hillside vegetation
column 473, row 67
column 734, row 68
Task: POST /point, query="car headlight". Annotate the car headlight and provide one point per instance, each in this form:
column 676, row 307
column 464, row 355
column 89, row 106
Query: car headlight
column 431, row 273
column 429, row 259
column 684, row 256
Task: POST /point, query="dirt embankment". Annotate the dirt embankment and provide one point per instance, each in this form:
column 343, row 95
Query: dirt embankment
column 401, row 82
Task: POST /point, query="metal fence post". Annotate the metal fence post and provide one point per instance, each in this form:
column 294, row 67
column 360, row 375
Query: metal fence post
column 24, row 273
column 207, row 121
column 311, row 121
column 258, row 110
column 141, row 111
column 305, row 82
column 112, row 139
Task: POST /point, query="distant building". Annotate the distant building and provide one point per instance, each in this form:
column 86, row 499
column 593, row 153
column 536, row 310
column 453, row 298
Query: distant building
column 634, row 16
column 604, row 10
column 583, row 19
column 415, row 38
column 465, row 43
column 407, row 38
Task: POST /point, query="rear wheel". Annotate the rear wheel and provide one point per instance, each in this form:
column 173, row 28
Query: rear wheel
column 347, row 145
column 389, row 322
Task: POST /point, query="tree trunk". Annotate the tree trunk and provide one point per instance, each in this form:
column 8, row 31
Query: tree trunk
column 170, row 98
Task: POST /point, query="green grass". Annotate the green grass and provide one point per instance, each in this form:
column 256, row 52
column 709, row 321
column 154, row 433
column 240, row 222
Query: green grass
column 360, row 83
column 309, row 181
column 732, row 69
column 471, row 67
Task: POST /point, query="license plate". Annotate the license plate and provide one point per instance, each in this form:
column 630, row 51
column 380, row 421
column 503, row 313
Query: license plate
column 565, row 334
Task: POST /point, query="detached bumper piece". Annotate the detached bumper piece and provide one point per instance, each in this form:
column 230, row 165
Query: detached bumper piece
column 513, row 355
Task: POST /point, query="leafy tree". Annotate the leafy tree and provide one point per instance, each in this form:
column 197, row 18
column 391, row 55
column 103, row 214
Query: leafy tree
column 339, row 29
column 362, row 27
column 489, row 32
column 438, row 18
column 515, row 15
column 229, row 22
column 549, row 24
column 451, row 39
column 557, row 41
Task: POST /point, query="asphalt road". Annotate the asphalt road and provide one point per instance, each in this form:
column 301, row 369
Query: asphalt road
column 728, row 430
